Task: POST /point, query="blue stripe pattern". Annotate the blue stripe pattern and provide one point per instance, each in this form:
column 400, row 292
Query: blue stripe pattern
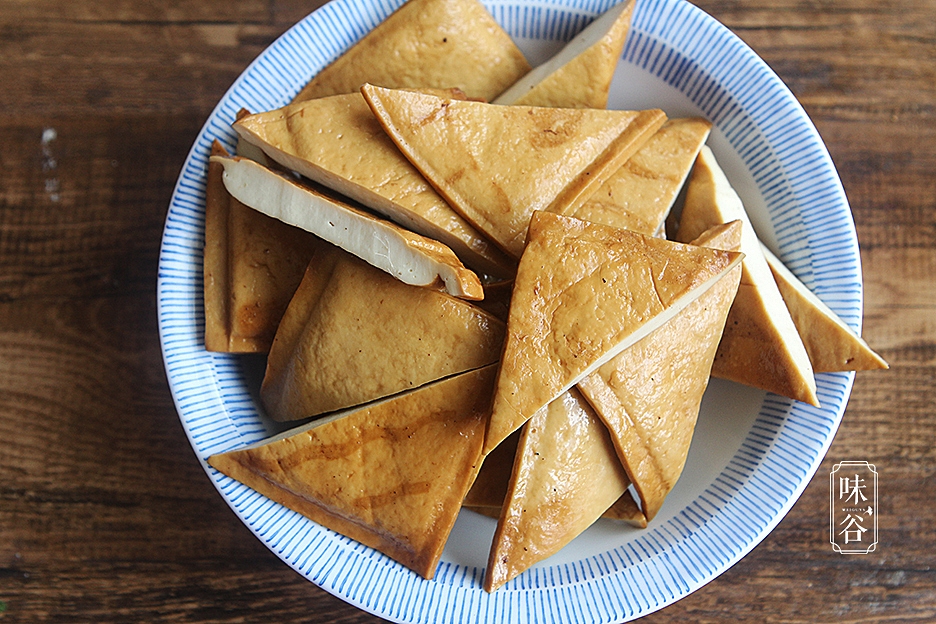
column 806, row 207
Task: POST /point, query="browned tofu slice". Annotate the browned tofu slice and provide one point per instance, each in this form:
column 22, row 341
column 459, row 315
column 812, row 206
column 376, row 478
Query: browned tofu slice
column 579, row 76
column 650, row 394
column 427, row 43
column 760, row 346
column 391, row 475
column 410, row 257
column 565, row 476
column 831, row 344
column 336, row 141
column 353, row 334
column 496, row 165
column 584, row 293
column 489, row 491
column 640, row 194
column 252, row 266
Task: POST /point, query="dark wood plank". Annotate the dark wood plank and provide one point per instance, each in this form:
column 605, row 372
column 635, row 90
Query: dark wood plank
column 288, row 12
column 84, row 201
column 51, row 68
column 883, row 166
column 160, row 11
column 203, row 591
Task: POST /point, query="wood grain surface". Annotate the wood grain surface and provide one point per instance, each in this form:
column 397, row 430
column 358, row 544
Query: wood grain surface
column 105, row 514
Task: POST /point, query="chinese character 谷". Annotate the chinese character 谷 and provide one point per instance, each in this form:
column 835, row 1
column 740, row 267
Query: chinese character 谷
column 853, row 531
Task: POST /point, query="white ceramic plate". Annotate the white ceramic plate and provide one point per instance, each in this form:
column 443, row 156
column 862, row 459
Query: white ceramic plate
column 753, row 453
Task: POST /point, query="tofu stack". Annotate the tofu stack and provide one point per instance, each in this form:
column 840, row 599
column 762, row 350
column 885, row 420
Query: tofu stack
column 457, row 268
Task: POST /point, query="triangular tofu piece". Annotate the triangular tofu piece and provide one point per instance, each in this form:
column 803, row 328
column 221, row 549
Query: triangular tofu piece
column 579, row 76
column 831, row 344
column 627, row 510
column 354, row 334
column 336, row 141
column 428, row 44
column 640, row 194
column 760, row 346
column 489, row 490
column 565, row 475
column 252, row 266
column 391, row 475
column 584, row 293
column 409, row 257
column 496, row 165
column 649, row 395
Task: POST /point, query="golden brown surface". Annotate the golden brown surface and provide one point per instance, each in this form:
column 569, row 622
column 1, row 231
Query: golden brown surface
column 95, row 470
column 565, row 475
column 496, row 165
column 391, row 475
column 253, row 265
column 831, row 344
column 627, row 510
column 760, row 346
column 489, row 490
column 584, row 82
column 649, row 395
column 604, row 289
column 428, row 43
column 338, row 142
column 352, row 334
column 639, row 195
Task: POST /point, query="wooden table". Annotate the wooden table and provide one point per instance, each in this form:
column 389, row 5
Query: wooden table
column 105, row 514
